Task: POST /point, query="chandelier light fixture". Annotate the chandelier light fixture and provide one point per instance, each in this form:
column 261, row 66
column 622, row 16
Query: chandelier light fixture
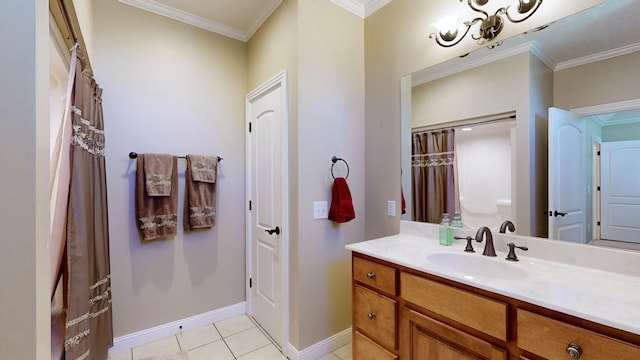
column 490, row 26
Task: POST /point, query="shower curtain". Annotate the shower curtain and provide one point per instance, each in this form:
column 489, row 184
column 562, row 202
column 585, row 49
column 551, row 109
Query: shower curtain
column 89, row 332
column 433, row 175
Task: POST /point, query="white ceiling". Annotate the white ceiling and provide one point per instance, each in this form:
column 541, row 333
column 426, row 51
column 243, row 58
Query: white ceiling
column 237, row 19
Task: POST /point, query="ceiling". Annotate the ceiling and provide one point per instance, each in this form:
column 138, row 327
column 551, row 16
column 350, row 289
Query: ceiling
column 237, row 19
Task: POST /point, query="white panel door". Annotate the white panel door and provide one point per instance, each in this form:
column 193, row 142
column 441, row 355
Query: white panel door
column 620, row 191
column 567, row 176
column 265, row 153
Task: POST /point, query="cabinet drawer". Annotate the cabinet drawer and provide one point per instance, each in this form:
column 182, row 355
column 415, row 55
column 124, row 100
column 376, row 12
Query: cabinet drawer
column 478, row 312
column 364, row 348
column 375, row 315
column 377, row 275
column 550, row 338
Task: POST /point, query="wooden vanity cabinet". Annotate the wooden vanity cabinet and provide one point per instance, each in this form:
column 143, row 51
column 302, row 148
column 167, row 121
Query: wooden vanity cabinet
column 400, row 313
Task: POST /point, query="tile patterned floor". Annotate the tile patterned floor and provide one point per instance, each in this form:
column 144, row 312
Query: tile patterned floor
column 236, row 338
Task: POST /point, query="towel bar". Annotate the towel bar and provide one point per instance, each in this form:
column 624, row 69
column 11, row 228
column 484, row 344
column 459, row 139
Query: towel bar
column 133, row 155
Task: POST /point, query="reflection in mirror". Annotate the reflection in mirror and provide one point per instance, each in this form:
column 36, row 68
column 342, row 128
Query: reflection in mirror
column 609, row 208
column 466, row 169
column 549, row 67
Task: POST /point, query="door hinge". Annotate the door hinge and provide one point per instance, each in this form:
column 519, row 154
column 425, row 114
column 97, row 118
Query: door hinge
column 598, row 188
column 598, row 223
column 249, row 126
column 250, row 282
column 598, row 152
column 249, row 205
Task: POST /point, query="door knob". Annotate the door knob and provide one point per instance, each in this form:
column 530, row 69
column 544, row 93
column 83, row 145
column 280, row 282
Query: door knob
column 555, row 213
column 276, row 230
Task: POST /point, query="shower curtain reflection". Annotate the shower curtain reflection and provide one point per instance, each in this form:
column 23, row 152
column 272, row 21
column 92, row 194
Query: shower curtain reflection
column 434, row 178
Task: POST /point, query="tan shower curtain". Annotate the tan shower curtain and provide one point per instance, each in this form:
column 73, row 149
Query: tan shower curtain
column 433, row 175
column 89, row 332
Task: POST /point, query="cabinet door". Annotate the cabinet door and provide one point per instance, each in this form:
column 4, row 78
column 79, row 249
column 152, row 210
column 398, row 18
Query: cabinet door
column 423, row 338
column 365, row 349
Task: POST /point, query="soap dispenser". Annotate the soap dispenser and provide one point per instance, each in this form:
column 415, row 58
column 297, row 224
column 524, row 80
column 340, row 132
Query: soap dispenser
column 446, row 233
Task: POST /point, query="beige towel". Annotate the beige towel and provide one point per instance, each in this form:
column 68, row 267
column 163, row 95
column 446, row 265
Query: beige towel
column 157, row 216
column 158, row 169
column 200, row 196
column 203, row 168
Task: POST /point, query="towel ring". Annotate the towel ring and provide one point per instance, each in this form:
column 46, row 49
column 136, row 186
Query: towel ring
column 334, row 160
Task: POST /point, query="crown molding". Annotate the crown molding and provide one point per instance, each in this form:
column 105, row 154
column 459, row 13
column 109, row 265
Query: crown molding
column 540, row 54
column 604, row 121
column 608, row 108
column 598, row 57
column 596, row 112
column 371, row 6
column 360, row 8
column 261, row 18
column 188, row 18
column 426, row 76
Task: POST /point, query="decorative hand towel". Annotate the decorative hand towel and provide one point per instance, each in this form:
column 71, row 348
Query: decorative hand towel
column 203, row 168
column 341, row 209
column 157, row 216
column 200, row 192
column 157, row 174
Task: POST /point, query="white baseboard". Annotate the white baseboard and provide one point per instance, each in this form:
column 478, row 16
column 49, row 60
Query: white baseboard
column 319, row 349
column 125, row 342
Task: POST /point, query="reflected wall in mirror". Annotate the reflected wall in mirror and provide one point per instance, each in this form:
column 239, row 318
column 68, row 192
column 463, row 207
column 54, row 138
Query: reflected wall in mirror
column 585, row 62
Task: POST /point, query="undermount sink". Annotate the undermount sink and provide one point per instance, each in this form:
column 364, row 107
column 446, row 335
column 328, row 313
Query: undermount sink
column 478, row 266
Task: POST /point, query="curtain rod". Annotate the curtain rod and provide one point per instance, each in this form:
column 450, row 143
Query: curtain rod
column 66, row 19
column 467, row 122
column 133, row 155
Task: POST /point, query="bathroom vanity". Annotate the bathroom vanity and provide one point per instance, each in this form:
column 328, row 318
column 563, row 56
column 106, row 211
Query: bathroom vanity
column 415, row 299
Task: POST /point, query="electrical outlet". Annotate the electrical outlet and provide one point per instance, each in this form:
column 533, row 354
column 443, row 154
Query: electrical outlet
column 320, row 210
column 391, row 208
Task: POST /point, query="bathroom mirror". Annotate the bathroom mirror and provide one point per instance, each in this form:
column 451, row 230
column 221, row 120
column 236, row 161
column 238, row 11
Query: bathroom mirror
column 596, row 34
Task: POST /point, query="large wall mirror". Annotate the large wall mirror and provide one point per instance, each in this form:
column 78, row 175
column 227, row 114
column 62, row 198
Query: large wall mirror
column 541, row 106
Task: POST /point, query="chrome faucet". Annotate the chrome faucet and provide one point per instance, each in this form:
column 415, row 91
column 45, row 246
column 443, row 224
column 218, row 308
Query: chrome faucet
column 507, row 224
column 489, row 250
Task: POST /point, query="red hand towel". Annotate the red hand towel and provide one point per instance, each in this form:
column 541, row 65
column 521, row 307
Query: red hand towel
column 341, row 209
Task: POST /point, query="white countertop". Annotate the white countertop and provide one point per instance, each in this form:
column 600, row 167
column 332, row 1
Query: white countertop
column 597, row 284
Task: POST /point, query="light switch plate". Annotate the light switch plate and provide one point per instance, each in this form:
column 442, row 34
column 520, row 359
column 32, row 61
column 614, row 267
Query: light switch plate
column 391, row 208
column 320, row 210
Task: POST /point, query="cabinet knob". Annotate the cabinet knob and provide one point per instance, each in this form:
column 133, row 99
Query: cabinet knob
column 371, row 315
column 371, row 275
column 574, row 351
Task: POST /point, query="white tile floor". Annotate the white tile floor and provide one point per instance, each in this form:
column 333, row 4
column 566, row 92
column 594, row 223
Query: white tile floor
column 236, row 338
